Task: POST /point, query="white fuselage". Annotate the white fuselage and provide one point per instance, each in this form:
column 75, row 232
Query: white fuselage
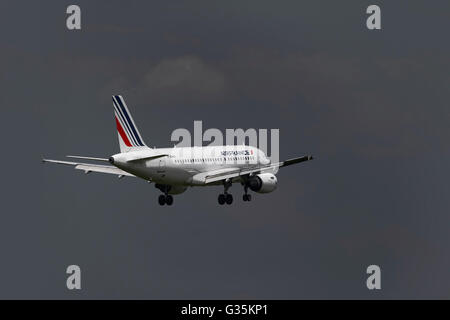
column 180, row 166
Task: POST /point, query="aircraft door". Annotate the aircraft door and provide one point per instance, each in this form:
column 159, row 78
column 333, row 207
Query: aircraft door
column 162, row 168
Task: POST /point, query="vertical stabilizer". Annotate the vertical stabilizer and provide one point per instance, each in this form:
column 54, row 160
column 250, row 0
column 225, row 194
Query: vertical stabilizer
column 129, row 136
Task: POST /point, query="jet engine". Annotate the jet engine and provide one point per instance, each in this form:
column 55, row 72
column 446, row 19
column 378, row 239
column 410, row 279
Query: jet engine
column 262, row 183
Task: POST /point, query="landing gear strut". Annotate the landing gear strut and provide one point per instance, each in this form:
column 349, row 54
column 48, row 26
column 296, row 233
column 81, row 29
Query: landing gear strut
column 164, row 198
column 225, row 197
column 246, row 196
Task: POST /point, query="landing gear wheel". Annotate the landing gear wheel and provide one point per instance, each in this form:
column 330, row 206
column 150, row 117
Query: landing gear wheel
column 247, row 197
column 162, row 200
column 221, row 199
column 229, row 198
column 169, row 200
column 244, row 197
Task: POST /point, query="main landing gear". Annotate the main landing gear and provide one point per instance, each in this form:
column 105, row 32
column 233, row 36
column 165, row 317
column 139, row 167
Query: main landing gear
column 225, row 197
column 246, row 196
column 164, row 198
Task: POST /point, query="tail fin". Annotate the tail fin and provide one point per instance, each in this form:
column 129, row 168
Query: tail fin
column 129, row 136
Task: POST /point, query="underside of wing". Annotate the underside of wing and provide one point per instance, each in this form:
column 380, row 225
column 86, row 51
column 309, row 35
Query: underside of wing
column 218, row 175
column 88, row 167
column 205, row 177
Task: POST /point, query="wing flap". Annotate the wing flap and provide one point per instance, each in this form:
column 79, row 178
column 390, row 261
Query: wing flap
column 103, row 169
column 203, row 177
column 87, row 167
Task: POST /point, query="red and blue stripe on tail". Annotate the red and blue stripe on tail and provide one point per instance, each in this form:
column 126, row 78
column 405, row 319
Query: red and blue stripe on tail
column 129, row 136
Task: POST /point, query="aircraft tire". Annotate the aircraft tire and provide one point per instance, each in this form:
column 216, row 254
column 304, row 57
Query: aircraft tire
column 229, row 198
column 169, row 200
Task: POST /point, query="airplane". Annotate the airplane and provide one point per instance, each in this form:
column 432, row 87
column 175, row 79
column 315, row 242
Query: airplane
column 173, row 170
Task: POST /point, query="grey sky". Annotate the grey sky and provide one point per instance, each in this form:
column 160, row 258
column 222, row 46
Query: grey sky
column 372, row 106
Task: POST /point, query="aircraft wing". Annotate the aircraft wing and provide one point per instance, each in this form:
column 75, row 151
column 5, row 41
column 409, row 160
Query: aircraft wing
column 88, row 167
column 218, row 175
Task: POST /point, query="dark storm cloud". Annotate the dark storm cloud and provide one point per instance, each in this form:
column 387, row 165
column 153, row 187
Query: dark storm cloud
column 372, row 106
column 185, row 79
column 395, row 103
column 384, row 99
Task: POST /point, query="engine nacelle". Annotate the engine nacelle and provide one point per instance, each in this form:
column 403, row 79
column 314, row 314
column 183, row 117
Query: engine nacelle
column 263, row 183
